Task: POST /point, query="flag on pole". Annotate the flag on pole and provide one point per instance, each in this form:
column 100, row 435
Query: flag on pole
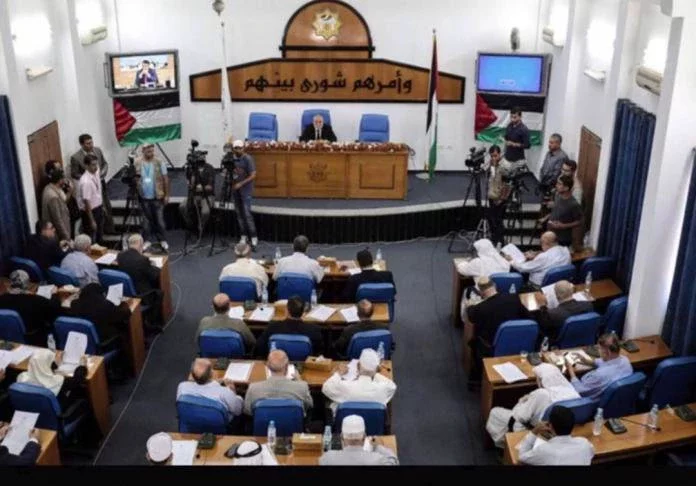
column 225, row 91
column 431, row 125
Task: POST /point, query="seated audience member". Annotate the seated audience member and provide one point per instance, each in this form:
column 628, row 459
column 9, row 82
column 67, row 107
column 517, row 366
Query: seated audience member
column 368, row 386
column 299, row 262
column 527, row 413
column 44, row 248
column 109, row 319
column 559, row 448
column 318, row 130
column 251, row 453
column 41, row 372
column 365, row 309
column 566, row 213
column 222, row 320
column 245, row 266
column 29, row 454
column 486, row 317
column 353, row 452
column 278, row 385
column 551, row 320
column 37, row 313
column 80, row 263
column 610, row 366
column 145, row 276
column 368, row 274
column 292, row 325
column 538, row 263
column 203, row 385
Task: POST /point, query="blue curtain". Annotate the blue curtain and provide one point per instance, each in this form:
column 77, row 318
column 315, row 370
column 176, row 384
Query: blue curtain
column 679, row 330
column 14, row 224
column 623, row 200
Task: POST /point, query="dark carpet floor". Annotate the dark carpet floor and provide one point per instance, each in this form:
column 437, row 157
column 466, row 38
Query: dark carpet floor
column 435, row 418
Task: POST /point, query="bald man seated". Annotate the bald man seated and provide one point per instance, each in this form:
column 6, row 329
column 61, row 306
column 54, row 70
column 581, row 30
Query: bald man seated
column 551, row 320
column 204, row 386
column 365, row 309
column 278, row 385
column 318, row 130
column 538, row 263
column 222, row 320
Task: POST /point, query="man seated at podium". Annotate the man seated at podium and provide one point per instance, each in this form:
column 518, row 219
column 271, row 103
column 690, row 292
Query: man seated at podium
column 146, row 77
column 318, row 131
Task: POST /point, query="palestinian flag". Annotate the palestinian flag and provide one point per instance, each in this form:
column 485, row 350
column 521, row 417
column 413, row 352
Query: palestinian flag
column 431, row 124
column 147, row 118
column 493, row 116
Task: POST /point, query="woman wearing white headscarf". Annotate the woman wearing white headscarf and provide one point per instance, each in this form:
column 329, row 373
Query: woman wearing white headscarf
column 41, row 372
column 487, row 262
column 553, row 387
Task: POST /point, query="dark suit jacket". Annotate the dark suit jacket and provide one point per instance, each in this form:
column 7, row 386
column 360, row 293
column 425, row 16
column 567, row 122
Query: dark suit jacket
column 487, row 316
column 37, row 313
column 110, row 320
column 289, row 326
column 551, row 320
column 44, row 252
column 145, row 275
column 366, row 276
column 341, row 344
column 27, row 457
column 327, row 133
column 77, row 164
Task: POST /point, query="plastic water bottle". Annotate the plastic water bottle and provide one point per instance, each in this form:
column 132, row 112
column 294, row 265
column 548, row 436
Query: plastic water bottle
column 653, row 417
column 378, row 256
column 314, row 298
column 513, row 289
column 264, row 296
column 588, row 282
column 278, row 255
column 380, row 351
column 326, row 441
column 271, row 435
column 51, row 343
column 598, row 422
column 545, row 345
column 273, row 346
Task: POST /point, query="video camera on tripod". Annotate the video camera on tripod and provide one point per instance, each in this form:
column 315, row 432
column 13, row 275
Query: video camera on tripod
column 129, row 175
column 194, row 158
column 476, row 159
column 515, row 178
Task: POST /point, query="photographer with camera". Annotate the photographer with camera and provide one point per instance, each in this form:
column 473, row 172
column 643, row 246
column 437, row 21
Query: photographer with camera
column 243, row 171
column 498, row 194
column 200, row 176
column 153, row 189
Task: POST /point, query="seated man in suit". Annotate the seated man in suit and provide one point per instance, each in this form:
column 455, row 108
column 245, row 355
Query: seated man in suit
column 145, row 277
column 365, row 309
column 278, row 385
column 222, row 320
column 539, row 263
column 318, row 131
column 368, row 274
column 292, row 325
column 353, row 452
column 43, row 246
column 551, row 320
column 29, row 454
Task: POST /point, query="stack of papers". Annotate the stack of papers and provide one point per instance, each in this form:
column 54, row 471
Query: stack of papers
column 75, row 347
column 513, row 252
column 115, row 294
column 582, row 297
column 509, row 372
column 106, row 259
column 46, row 291
column 350, row 314
column 352, row 371
column 263, row 314
column 20, row 353
column 354, row 271
column 157, row 261
column 238, row 372
column 550, row 294
column 321, row 313
column 20, row 428
column 289, row 375
column 5, row 359
column 183, row 452
column 236, row 312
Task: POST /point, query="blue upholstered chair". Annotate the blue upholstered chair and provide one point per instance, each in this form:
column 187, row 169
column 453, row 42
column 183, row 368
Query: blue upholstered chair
column 29, row 266
column 615, row 316
column 373, row 413
column 505, row 280
column 63, row 326
column 561, row 272
column 110, row 277
column 198, row 415
column 12, row 326
column 221, row 343
column 287, row 414
column 308, row 117
column 601, row 268
column 290, row 284
column 238, row 289
column 583, row 409
column 382, row 293
column 374, row 128
column 621, row 397
column 579, row 330
column 515, row 336
column 296, row 346
column 61, row 276
column 263, row 127
column 674, row 383
column 369, row 339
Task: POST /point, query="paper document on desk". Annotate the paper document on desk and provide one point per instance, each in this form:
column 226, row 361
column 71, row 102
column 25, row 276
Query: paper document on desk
column 550, row 294
column 106, row 259
column 20, row 428
column 510, row 372
column 21, row 353
column 236, row 312
column 45, row 291
column 350, row 314
column 289, row 375
column 581, row 297
column 352, row 371
column 5, row 359
column 75, row 347
column 183, row 452
column 115, row 294
column 321, row 313
column 157, row 261
column 513, row 252
column 269, row 459
column 238, row 372
column 263, row 314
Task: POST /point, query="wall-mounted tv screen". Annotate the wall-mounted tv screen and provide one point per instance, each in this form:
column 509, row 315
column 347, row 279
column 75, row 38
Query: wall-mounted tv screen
column 512, row 73
column 143, row 72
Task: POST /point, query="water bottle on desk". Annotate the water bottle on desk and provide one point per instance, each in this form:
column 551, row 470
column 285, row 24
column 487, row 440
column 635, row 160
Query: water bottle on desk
column 313, row 301
column 653, row 417
column 378, row 256
column 271, row 435
column 588, row 283
column 326, row 442
column 598, row 422
column 545, row 345
column 513, row 289
column 278, row 255
column 273, row 346
column 51, row 343
column 264, row 296
column 380, row 351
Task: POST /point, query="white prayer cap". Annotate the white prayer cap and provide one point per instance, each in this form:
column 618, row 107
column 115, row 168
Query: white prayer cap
column 369, row 360
column 353, row 426
column 159, row 447
column 237, row 144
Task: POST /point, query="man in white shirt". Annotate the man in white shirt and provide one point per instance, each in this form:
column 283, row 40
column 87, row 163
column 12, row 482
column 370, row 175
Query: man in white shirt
column 355, row 452
column 538, row 263
column 203, row 385
column 90, row 200
column 299, row 262
column 368, row 386
column 560, row 449
column 246, row 267
column 79, row 262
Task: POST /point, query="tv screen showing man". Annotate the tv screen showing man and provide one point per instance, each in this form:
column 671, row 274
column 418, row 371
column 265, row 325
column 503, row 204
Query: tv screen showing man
column 146, row 77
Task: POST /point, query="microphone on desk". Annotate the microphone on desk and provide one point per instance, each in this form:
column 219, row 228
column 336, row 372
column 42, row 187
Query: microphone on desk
column 647, row 426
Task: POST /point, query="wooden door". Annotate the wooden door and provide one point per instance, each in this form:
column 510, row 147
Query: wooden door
column 588, row 165
column 44, row 145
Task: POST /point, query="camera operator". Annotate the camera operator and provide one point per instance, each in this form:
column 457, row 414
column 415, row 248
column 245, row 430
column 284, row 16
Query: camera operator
column 153, row 189
column 516, row 141
column 243, row 174
column 200, row 176
column 566, row 213
column 498, row 194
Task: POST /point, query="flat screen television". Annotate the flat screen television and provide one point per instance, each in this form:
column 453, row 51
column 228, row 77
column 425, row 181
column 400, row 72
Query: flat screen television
column 148, row 72
column 524, row 74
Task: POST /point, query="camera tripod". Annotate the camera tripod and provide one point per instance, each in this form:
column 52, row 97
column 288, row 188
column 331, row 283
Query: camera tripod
column 483, row 227
column 514, row 211
column 193, row 209
column 217, row 213
column 134, row 216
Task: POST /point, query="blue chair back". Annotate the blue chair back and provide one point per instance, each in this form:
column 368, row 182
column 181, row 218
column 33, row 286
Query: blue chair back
column 290, row 284
column 373, row 413
column 63, row 325
column 583, row 409
column 11, row 326
column 615, row 316
column 601, row 268
column 370, row 339
column 262, row 126
column 110, row 277
column 378, row 293
column 198, row 415
column 238, row 289
column 621, row 397
column 29, row 266
column 515, row 336
column 287, row 414
column 61, row 276
column 308, row 117
column 296, row 346
column 221, row 343
column 505, row 280
column 673, row 382
column 561, row 272
column 579, row 330
column 374, row 128
column 36, row 399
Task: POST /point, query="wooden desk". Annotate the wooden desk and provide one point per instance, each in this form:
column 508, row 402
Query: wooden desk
column 314, row 174
column 637, row 441
column 600, row 290
column 216, row 455
column 495, row 392
column 50, row 455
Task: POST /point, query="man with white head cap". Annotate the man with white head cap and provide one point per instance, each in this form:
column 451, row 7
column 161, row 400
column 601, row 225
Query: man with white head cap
column 368, row 386
column 243, row 176
column 355, row 452
column 245, row 266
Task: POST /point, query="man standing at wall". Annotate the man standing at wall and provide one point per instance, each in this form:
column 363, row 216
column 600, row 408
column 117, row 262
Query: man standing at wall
column 153, row 185
column 516, row 141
